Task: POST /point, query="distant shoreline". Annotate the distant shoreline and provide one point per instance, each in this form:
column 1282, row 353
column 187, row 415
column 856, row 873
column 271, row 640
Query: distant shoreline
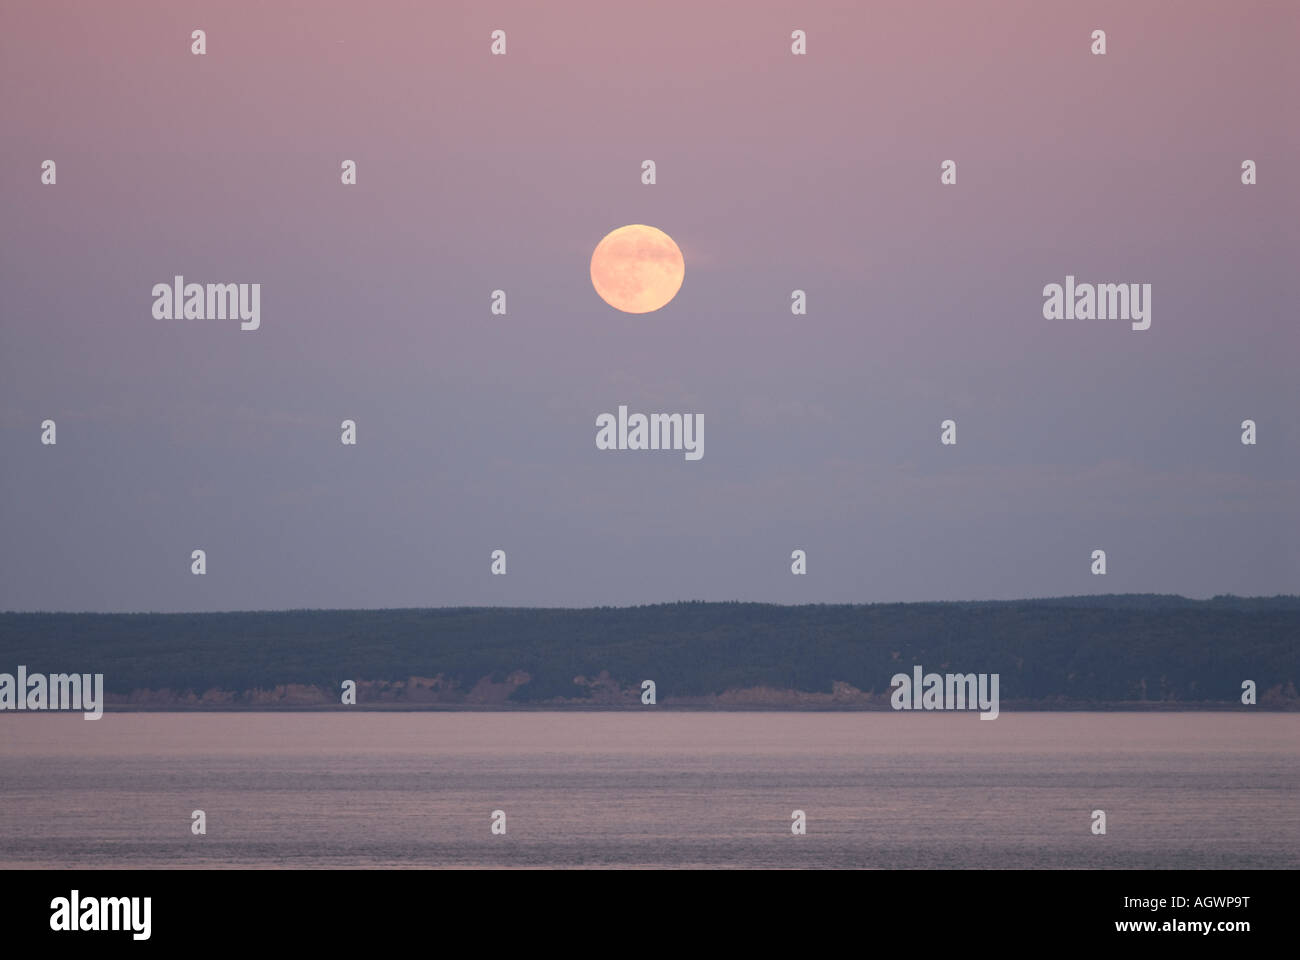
column 1094, row 654
column 737, row 707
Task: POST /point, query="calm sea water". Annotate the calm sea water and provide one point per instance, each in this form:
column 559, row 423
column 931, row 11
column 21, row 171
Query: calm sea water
column 880, row 790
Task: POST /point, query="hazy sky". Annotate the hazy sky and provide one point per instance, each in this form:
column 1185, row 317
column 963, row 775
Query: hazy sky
column 775, row 172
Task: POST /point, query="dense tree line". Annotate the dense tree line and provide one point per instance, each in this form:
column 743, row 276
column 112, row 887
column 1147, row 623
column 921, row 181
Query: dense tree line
column 1097, row 648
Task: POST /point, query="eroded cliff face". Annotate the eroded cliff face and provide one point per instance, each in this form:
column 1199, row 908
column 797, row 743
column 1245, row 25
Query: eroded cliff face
column 411, row 692
column 604, row 692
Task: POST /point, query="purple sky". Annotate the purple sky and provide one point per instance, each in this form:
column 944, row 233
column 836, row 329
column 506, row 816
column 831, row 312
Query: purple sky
column 775, row 172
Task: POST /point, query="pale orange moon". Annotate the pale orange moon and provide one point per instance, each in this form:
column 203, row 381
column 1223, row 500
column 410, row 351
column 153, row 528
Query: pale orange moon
column 637, row 268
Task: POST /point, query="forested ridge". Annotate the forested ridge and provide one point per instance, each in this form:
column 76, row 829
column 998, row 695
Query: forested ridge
column 1094, row 648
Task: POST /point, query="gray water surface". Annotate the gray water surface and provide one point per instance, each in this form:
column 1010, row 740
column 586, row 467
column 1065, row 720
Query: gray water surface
column 880, row 790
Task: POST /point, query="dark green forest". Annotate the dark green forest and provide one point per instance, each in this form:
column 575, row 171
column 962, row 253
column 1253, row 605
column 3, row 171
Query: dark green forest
column 1095, row 649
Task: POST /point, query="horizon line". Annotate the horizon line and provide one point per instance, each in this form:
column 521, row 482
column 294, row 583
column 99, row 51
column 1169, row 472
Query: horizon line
column 640, row 606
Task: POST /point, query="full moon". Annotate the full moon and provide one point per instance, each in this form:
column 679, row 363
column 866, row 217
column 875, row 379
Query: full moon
column 637, row 269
